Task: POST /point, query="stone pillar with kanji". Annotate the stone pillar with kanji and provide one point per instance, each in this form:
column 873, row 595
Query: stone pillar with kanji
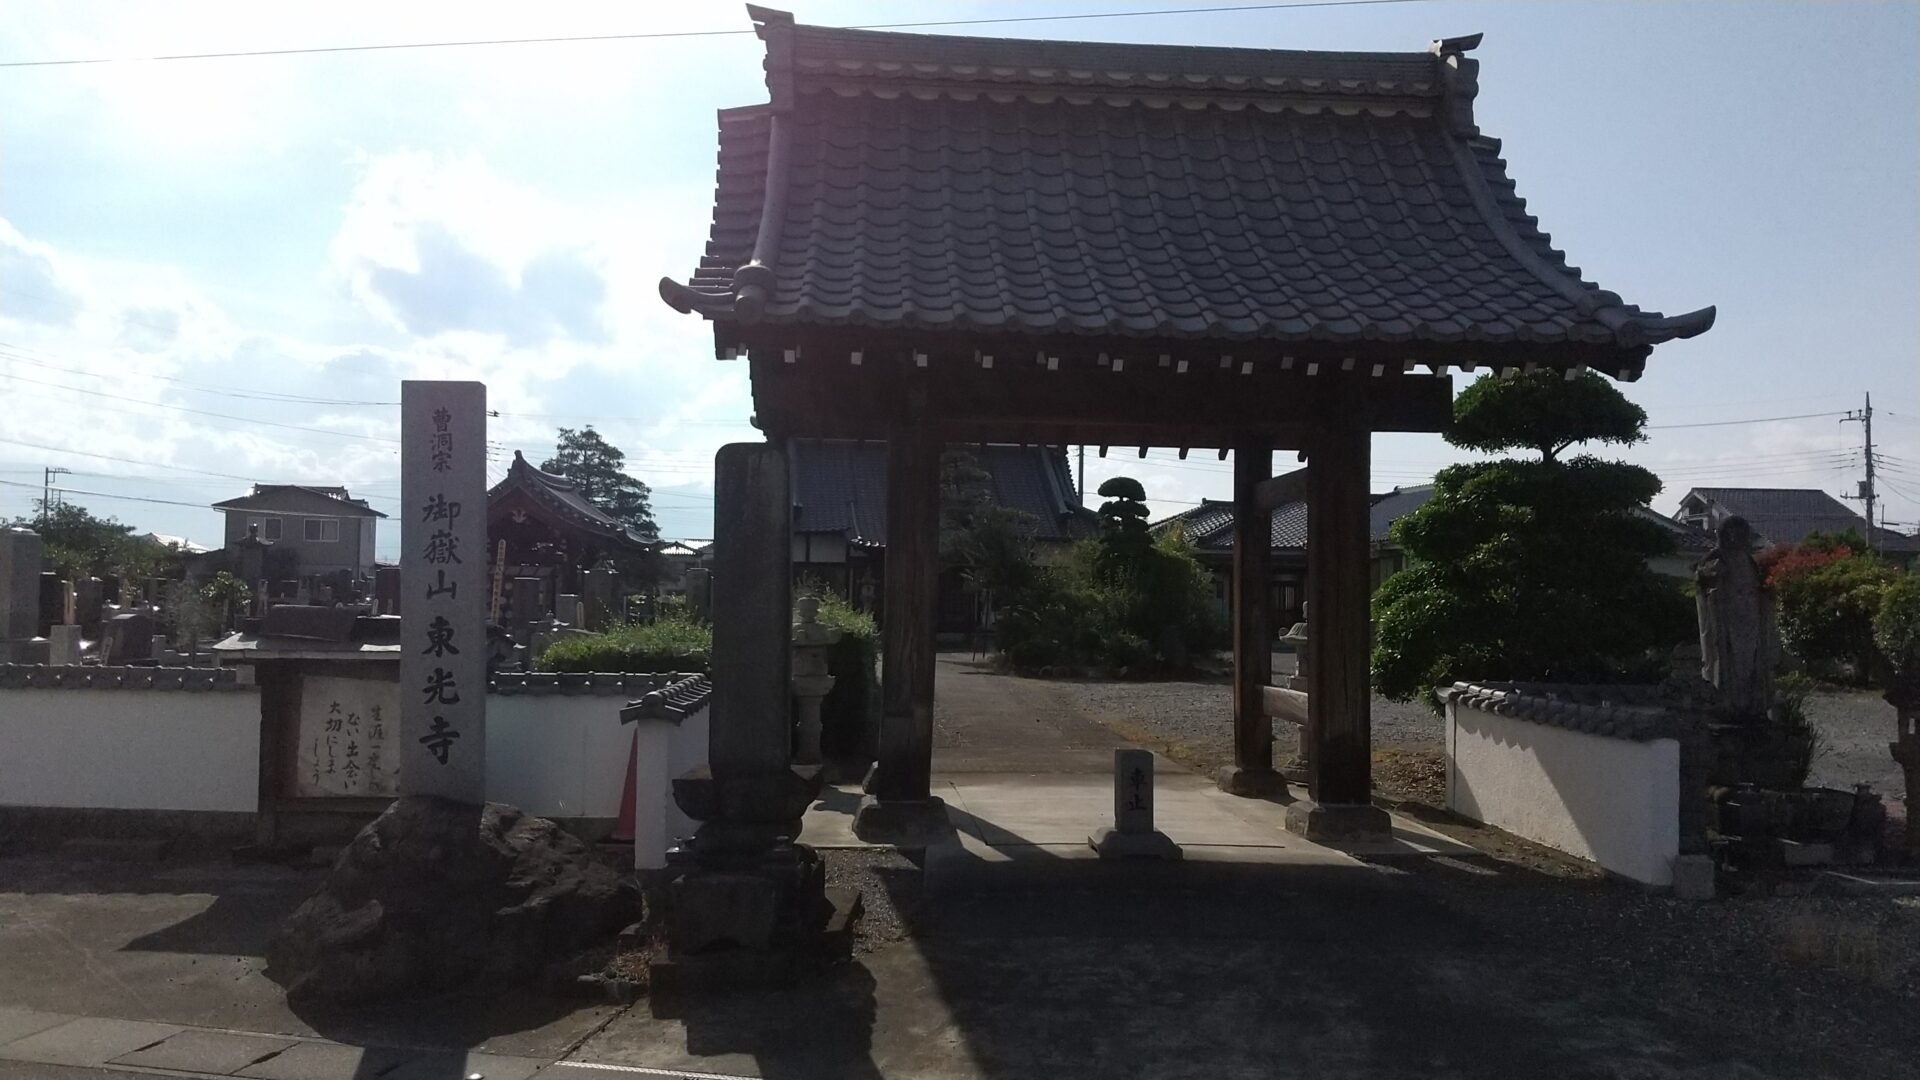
column 443, row 567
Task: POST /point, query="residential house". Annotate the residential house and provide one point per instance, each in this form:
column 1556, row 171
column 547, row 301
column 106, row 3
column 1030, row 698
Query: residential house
column 840, row 516
column 314, row 531
column 1209, row 528
column 1787, row 515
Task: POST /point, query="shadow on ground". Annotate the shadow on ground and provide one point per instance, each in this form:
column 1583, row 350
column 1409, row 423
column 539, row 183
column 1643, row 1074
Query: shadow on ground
column 183, row 944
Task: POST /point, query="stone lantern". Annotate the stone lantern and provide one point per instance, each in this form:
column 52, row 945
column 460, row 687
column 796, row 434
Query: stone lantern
column 811, row 683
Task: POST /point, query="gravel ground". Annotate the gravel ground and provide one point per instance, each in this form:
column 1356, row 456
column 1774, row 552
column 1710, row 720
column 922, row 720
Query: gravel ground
column 890, row 893
column 1188, row 721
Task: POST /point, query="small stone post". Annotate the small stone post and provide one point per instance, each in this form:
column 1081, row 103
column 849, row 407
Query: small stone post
column 811, row 682
column 1133, row 835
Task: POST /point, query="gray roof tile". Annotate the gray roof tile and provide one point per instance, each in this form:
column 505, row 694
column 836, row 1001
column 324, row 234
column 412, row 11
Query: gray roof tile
column 1285, row 196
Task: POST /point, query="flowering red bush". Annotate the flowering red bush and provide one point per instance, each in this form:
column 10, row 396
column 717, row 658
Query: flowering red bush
column 1785, row 562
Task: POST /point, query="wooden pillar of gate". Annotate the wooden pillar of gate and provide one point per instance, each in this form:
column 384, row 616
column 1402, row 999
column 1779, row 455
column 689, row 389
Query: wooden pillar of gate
column 1338, row 722
column 1252, row 770
column 899, row 807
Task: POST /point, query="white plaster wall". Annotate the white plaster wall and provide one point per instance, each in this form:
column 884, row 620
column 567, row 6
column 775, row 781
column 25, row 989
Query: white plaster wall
column 130, row 749
column 1613, row 801
column 553, row 755
column 667, row 750
column 557, row 755
column 565, row 756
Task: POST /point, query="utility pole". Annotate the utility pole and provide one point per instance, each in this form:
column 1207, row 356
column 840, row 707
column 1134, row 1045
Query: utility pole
column 1083, row 474
column 1866, row 496
column 46, row 492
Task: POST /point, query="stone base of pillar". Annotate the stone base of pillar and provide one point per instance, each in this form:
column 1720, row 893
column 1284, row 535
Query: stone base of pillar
column 1252, row 783
column 1337, row 823
column 742, row 921
column 1693, row 877
column 903, row 823
column 1114, row 844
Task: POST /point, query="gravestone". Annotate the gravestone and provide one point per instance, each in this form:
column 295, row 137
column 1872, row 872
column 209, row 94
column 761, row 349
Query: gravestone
column 127, row 637
column 20, row 554
column 568, row 609
column 386, row 591
column 63, row 645
column 700, row 592
column 53, row 601
column 89, row 596
column 601, row 588
column 524, row 605
column 1133, row 835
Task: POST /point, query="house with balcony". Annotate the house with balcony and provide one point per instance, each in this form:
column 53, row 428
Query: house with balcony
column 312, row 531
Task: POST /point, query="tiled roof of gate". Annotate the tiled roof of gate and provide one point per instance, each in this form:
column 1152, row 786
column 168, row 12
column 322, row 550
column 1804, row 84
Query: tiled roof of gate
column 1165, row 192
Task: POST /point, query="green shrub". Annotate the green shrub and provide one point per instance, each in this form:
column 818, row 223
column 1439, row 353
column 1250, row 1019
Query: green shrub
column 1896, row 627
column 1827, row 613
column 1124, row 608
column 664, row 645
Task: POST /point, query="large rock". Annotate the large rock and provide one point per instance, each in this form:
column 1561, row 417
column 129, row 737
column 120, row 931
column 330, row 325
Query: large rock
column 435, row 894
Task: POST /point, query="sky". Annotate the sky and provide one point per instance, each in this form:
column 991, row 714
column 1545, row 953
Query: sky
column 217, row 271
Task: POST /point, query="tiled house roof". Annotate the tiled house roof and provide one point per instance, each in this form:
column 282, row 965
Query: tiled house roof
column 1141, row 191
column 1784, row 515
column 1209, row 526
column 840, row 486
column 300, row 499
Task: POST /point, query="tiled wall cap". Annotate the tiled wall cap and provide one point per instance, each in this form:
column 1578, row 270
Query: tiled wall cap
column 1621, row 712
column 49, row 677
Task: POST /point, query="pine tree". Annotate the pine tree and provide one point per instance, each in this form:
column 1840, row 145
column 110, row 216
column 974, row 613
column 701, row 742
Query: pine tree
column 599, row 469
column 1531, row 568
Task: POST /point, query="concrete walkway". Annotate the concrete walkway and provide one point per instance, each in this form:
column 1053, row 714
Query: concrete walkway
column 1026, row 778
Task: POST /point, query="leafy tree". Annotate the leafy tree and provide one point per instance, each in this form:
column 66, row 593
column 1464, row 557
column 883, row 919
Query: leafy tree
column 992, row 545
column 599, row 468
column 1120, row 601
column 77, row 544
column 1530, row 568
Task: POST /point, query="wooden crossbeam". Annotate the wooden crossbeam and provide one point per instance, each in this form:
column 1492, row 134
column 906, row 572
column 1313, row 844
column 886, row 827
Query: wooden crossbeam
column 1280, row 490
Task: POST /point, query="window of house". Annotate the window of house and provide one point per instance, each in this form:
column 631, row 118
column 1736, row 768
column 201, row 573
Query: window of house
column 323, row 530
column 269, row 528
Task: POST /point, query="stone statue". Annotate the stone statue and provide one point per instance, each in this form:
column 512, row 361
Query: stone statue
column 1739, row 642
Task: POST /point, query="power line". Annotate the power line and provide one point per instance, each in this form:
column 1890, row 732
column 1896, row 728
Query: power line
column 671, row 34
column 14, row 353
column 111, row 495
column 200, row 412
column 1755, row 420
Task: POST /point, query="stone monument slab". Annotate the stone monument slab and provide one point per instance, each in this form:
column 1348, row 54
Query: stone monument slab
column 443, row 565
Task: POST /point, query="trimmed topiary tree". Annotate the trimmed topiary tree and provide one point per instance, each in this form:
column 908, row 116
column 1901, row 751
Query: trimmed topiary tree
column 1531, row 568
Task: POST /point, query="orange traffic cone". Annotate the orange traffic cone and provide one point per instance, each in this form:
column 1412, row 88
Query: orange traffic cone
column 629, row 798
